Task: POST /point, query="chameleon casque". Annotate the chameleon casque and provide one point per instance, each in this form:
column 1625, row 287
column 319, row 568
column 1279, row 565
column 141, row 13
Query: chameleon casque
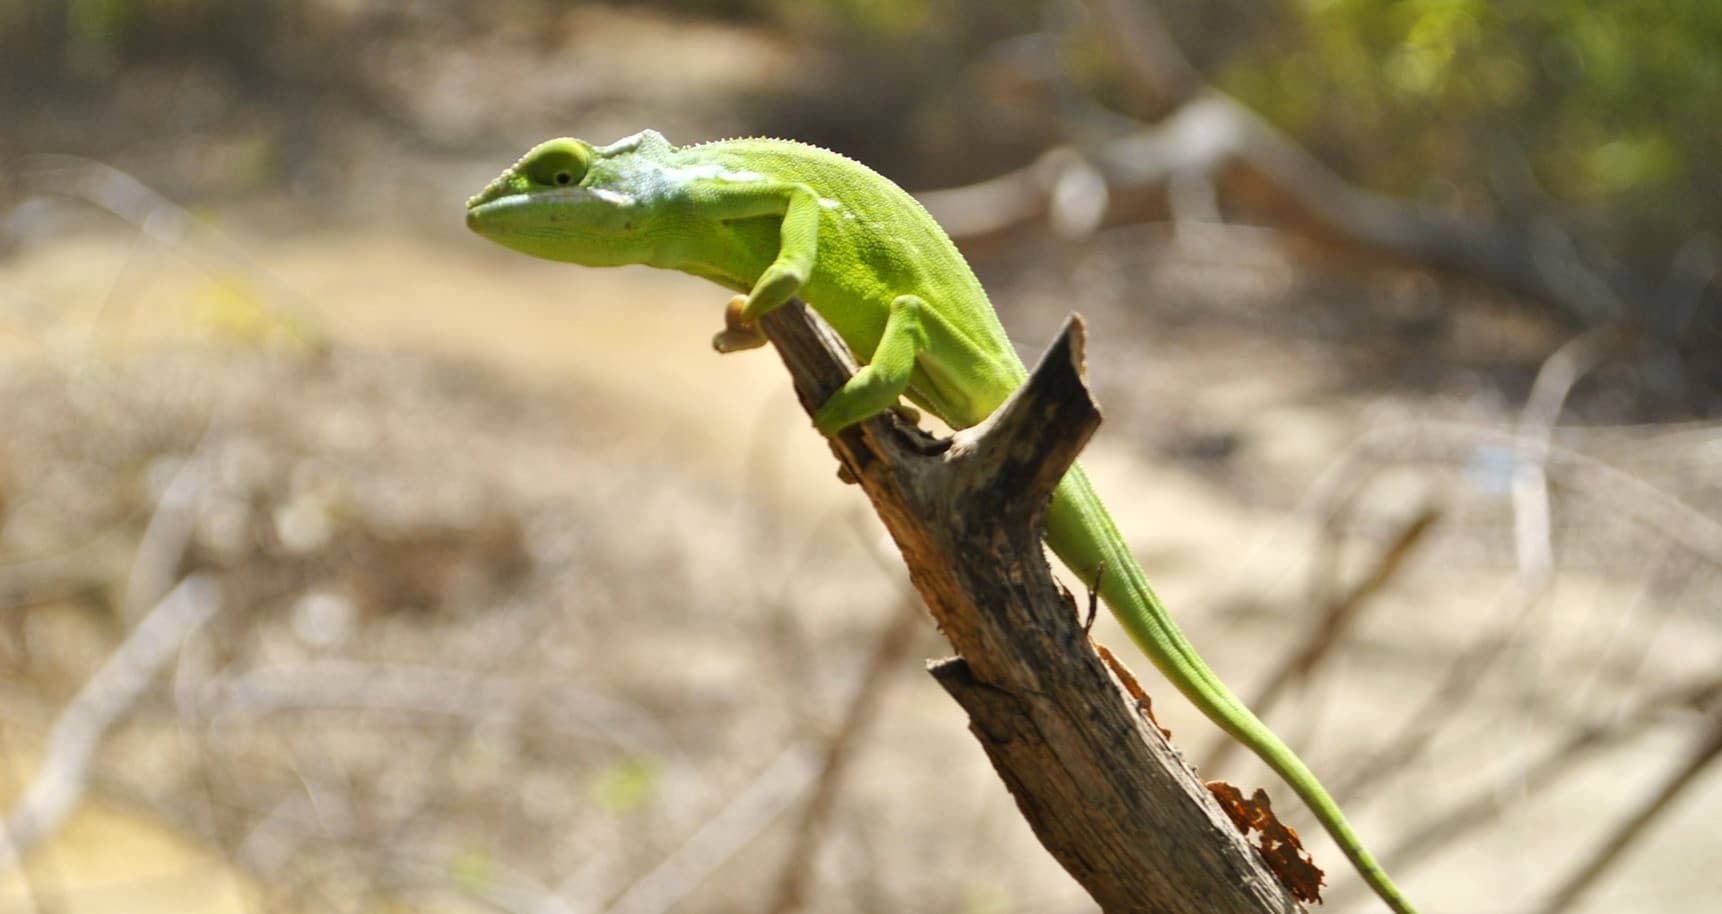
column 771, row 219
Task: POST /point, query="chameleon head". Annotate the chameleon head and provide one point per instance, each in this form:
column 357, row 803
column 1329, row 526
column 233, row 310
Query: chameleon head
column 551, row 204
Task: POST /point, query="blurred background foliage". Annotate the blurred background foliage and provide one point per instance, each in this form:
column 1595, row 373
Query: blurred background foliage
column 1597, row 105
column 1602, row 110
column 1600, row 116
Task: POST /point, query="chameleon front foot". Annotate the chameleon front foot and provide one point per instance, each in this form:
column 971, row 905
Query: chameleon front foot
column 737, row 334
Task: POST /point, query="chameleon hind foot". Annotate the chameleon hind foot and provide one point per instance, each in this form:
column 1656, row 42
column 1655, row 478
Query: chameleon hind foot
column 737, row 334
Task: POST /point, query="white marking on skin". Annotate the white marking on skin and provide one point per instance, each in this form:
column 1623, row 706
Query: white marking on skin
column 829, row 203
column 645, row 181
column 612, row 197
column 699, row 172
column 718, row 173
column 645, row 178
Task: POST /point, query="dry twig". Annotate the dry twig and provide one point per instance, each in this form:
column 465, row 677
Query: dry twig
column 1706, row 748
column 103, row 701
column 889, row 650
column 1548, row 768
column 1327, row 628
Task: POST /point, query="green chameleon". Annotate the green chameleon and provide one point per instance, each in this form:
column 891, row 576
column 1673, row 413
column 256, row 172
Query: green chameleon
column 774, row 219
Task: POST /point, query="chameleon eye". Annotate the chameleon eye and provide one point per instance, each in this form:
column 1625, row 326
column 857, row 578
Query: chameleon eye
column 557, row 163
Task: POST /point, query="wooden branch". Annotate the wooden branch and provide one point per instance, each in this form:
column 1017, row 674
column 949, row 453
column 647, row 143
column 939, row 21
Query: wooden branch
column 1102, row 789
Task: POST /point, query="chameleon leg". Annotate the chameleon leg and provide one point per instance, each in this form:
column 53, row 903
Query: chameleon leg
column 797, row 247
column 879, row 383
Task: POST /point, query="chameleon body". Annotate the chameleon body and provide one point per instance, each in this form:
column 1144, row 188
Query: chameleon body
column 771, row 219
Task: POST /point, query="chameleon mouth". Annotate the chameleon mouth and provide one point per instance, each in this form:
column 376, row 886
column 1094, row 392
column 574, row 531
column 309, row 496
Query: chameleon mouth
column 501, row 204
column 485, row 204
column 494, row 202
column 491, row 211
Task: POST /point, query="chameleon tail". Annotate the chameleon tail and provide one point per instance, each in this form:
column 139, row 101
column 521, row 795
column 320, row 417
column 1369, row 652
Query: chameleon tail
column 1083, row 536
